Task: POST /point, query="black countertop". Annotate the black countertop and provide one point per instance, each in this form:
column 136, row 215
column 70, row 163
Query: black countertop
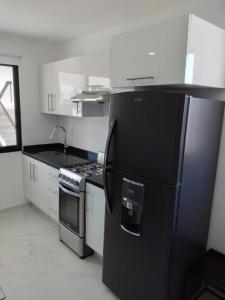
column 53, row 155
column 96, row 180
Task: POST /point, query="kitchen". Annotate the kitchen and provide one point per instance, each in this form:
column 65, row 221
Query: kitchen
column 37, row 58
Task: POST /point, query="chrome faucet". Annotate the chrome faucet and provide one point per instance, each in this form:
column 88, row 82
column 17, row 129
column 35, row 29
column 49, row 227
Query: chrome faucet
column 52, row 136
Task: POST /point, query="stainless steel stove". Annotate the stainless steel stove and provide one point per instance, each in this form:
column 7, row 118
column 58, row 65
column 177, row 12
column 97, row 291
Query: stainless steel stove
column 75, row 176
column 72, row 205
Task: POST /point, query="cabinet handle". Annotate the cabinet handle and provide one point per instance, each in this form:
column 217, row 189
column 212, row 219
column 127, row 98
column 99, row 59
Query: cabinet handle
column 50, row 102
column 53, row 191
column 49, row 109
column 33, row 172
column 30, row 173
column 140, row 78
column 53, row 101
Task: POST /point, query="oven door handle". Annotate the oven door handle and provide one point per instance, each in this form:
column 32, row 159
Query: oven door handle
column 68, row 191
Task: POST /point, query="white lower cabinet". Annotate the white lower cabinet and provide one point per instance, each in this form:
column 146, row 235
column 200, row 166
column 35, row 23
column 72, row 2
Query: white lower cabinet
column 41, row 186
column 95, row 217
column 53, row 193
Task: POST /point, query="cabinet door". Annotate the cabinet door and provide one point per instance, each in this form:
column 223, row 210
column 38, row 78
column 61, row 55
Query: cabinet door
column 53, row 204
column 53, row 193
column 41, row 186
column 49, row 88
column 38, row 190
column 69, row 83
column 53, row 85
column 27, row 177
column 95, row 69
column 205, row 64
column 47, row 189
column 150, row 56
column 95, row 217
column 44, row 89
column 31, row 180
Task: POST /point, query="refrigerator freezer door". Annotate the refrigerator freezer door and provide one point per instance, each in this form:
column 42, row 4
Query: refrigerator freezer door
column 135, row 266
column 148, row 137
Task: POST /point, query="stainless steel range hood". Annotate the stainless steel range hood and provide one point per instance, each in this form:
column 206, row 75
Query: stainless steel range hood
column 94, row 94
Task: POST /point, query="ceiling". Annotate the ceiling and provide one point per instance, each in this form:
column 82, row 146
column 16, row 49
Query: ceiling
column 60, row 20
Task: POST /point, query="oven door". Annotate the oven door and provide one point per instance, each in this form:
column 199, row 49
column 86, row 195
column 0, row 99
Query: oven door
column 71, row 209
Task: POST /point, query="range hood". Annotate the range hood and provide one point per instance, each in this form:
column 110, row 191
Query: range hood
column 94, row 94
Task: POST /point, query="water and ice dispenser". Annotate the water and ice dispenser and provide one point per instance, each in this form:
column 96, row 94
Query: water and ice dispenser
column 132, row 206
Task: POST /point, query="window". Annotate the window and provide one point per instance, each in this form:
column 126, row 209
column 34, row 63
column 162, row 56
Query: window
column 10, row 124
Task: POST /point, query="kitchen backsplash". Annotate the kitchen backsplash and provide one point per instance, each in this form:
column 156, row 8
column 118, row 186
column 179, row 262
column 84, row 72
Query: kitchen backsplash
column 86, row 133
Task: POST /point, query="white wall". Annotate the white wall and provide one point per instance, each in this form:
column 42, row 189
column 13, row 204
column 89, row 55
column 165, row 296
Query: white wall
column 11, row 179
column 86, row 133
column 91, row 133
column 35, row 126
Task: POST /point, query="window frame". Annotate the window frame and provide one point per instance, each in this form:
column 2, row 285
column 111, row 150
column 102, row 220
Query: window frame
column 18, row 146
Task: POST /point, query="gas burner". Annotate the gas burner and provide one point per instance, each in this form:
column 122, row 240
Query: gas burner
column 88, row 169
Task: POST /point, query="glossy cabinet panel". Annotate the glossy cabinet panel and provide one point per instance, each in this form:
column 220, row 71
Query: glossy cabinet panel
column 149, row 56
column 61, row 80
column 183, row 51
column 95, row 69
column 41, row 186
column 95, row 217
column 205, row 64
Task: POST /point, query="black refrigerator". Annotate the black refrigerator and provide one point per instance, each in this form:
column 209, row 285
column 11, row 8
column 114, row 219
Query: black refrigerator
column 159, row 173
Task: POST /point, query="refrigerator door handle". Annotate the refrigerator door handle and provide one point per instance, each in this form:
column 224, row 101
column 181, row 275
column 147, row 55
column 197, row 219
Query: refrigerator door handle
column 108, row 142
column 105, row 181
column 106, row 169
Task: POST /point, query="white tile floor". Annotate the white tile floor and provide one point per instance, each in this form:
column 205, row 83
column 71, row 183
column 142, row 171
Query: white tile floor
column 34, row 265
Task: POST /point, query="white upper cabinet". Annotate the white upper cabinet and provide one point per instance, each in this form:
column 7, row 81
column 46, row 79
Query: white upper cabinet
column 49, row 89
column 69, row 82
column 205, row 64
column 95, row 69
column 61, row 80
column 183, row 51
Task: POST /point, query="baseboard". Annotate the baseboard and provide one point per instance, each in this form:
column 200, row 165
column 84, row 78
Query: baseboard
column 24, row 203
column 42, row 212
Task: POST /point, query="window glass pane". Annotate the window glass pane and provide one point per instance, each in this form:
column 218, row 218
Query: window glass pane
column 7, row 107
